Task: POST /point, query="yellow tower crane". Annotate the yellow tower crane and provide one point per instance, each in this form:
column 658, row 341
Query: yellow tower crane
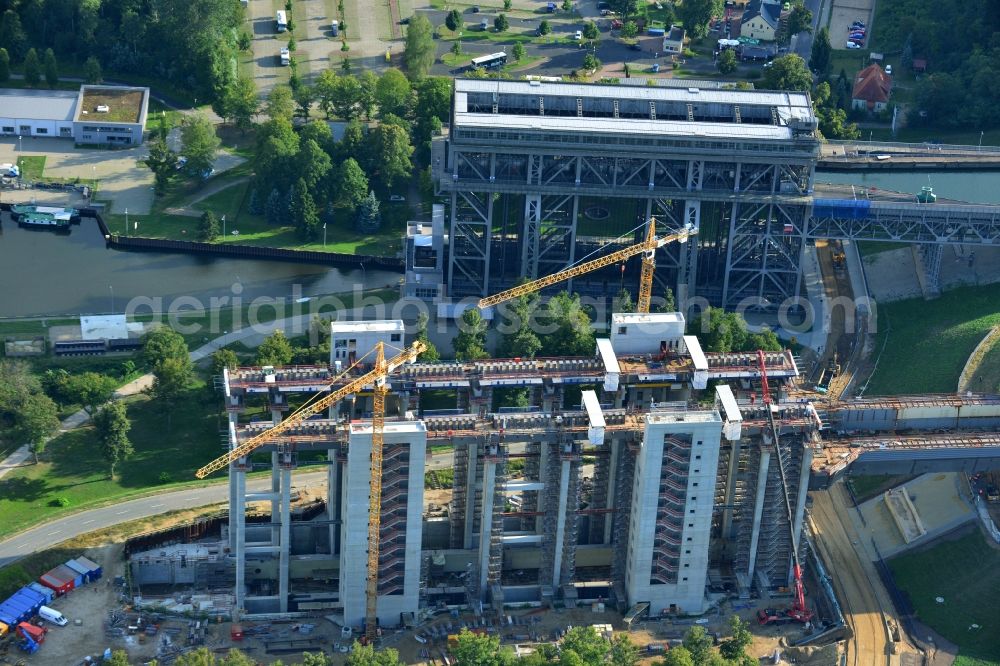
column 378, row 377
column 646, row 248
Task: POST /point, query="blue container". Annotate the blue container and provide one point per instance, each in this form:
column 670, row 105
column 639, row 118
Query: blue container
column 29, row 593
column 18, row 612
column 8, row 618
column 33, row 602
column 44, row 591
column 95, row 569
column 81, row 571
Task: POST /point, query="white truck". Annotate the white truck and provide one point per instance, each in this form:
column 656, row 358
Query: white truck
column 280, row 22
column 10, row 170
column 286, row 56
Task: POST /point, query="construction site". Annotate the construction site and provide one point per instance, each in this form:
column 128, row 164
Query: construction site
column 650, row 483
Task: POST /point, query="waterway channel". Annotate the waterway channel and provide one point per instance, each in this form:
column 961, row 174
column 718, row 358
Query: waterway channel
column 981, row 187
column 45, row 273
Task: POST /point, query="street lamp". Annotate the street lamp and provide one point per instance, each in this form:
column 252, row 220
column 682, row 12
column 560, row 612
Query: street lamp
column 223, row 226
column 112, row 289
column 19, row 146
column 981, row 132
column 324, row 234
column 126, row 223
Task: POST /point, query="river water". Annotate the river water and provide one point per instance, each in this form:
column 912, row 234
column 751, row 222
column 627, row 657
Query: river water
column 972, row 186
column 44, row 273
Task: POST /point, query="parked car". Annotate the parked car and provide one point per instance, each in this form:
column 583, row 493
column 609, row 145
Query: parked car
column 578, row 35
column 852, row 45
column 397, row 197
column 888, row 70
column 181, row 162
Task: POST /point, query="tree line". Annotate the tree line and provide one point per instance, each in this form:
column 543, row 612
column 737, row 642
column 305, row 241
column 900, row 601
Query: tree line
column 193, row 44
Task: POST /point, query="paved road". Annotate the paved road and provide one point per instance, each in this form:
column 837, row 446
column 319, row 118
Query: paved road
column 55, row 532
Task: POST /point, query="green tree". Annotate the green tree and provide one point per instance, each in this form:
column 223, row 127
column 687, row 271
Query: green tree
column 51, row 69
column 17, row 381
column 678, row 656
column 695, row 14
column 590, row 31
column 367, row 218
column 274, row 208
column 789, row 72
column 200, row 657
column 303, row 212
column 523, row 341
column 92, row 70
column 280, row 103
column 224, row 359
column 507, row 4
column 111, row 423
column 727, row 62
column 304, row 97
column 800, row 19
column 166, row 354
column 470, row 343
column 453, row 20
column 567, row 5
column 12, row 34
column 623, row 302
column 544, row 28
column 393, row 94
column 623, row 652
column 367, row 655
column 338, row 95
column 162, row 162
column 199, row 143
column 571, row 332
column 429, row 355
column 480, row 650
column 625, row 8
column 390, row 153
column 163, row 344
column 208, row 227
column 241, row 102
column 591, row 63
column 819, row 57
column 368, row 82
column 4, row 65
column 456, row 47
column 698, row 642
column 517, row 52
column 500, row 23
column 418, row 53
column 351, row 183
column 37, row 421
column 734, row 647
column 630, row 29
column 312, row 163
column 275, row 350
column 89, row 389
column 32, row 68
column 277, row 148
column 585, row 644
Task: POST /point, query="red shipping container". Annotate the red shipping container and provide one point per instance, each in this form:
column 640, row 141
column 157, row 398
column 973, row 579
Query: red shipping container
column 60, row 579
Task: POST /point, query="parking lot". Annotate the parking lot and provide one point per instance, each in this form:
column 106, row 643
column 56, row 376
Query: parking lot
column 123, row 180
column 846, row 12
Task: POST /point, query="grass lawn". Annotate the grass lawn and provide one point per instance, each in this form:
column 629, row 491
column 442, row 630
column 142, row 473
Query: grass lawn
column 929, row 341
column 986, row 378
column 32, row 166
column 874, row 247
column 72, row 466
column 966, row 573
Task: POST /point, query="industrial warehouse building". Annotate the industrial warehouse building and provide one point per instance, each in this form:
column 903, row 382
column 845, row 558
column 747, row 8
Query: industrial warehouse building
column 105, row 115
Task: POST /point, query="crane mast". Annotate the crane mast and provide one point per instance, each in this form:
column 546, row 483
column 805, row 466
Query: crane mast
column 798, row 612
column 375, row 495
column 647, row 248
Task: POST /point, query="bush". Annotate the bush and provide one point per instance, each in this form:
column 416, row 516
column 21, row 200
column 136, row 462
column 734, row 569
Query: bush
column 164, row 477
column 60, row 501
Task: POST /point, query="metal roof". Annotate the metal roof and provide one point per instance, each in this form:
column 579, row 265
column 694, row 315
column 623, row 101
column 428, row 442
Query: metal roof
column 789, row 100
column 692, row 130
column 38, row 104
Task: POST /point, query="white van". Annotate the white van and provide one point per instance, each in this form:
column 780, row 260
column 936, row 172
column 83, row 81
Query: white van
column 53, row 616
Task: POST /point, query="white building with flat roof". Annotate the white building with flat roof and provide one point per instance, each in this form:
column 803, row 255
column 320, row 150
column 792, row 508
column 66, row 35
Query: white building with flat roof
column 98, row 115
column 351, row 341
column 43, row 113
column 646, row 333
column 671, row 517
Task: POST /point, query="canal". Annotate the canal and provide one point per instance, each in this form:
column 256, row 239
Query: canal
column 45, row 273
column 972, row 186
